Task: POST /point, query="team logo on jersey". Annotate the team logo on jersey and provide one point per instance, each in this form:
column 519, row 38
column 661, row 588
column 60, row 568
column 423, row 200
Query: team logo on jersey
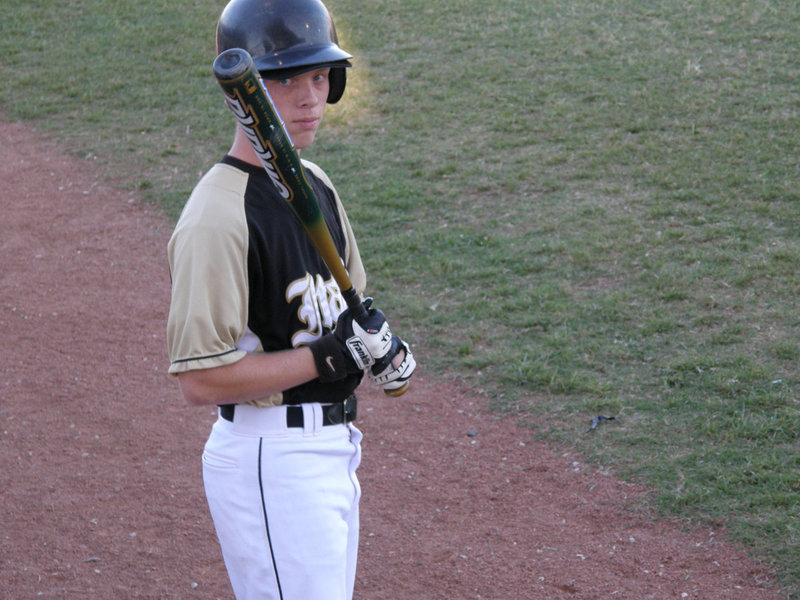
column 321, row 303
column 263, row 149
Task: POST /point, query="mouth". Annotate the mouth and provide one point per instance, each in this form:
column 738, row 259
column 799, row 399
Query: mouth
column 307, row 124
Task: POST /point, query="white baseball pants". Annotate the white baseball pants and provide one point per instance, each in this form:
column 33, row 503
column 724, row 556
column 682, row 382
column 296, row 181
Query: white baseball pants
column 284, row 502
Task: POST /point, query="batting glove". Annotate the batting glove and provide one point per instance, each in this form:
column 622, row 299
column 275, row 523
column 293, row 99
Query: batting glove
column 333, row 359
column 393, row 379
column 368, row 340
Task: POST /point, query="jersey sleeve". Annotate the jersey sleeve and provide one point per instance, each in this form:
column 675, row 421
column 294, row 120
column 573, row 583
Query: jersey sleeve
column 207, row 256
column 352, row 257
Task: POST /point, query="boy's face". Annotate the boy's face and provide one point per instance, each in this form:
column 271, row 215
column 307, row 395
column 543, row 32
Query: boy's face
column 300, row 102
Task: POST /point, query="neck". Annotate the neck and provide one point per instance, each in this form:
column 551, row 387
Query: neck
column 242, row 149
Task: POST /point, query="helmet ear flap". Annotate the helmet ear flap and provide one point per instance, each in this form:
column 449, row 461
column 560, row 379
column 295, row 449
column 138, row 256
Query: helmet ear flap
column 337, row 79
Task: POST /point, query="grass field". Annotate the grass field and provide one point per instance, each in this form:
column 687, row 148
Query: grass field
column 572, row 208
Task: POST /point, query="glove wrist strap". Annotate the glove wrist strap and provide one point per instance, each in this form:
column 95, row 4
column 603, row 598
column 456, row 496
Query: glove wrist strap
column 328, row 358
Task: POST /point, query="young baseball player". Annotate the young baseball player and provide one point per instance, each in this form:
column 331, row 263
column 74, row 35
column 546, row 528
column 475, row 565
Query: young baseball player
column 258, row 326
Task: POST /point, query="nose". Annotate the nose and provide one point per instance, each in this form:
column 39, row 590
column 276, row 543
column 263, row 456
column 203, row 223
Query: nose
column 306, row 96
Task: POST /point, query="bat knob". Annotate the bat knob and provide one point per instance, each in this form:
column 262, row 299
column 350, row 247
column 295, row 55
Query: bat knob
column 398, row 392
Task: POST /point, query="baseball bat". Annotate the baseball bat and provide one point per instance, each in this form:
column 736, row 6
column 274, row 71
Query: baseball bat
column 250, row 103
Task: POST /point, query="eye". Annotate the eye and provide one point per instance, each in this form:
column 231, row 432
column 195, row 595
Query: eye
column 321, row 75
column 284, row 82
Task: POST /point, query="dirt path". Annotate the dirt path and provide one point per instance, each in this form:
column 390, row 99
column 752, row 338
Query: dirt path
column 100, row 458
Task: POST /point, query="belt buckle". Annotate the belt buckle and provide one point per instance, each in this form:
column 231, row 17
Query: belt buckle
column 350, row 408
column 342, row 412
column 336, row 414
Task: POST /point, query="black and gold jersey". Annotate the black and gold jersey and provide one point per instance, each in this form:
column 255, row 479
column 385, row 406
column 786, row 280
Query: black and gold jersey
column 246, row 277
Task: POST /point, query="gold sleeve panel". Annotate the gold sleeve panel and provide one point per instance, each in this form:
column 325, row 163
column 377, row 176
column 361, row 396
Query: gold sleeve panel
column 207, row 256
column 352, row 257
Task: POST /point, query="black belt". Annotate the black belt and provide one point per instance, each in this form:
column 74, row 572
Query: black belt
column 332, row 414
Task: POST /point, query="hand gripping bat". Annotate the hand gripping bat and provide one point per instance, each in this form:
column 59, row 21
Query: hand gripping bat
column 253, row 108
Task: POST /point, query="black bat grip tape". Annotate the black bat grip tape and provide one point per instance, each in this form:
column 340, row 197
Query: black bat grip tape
column 355, row 305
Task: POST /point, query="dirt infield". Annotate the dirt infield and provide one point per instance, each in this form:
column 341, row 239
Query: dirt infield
column 100, row 458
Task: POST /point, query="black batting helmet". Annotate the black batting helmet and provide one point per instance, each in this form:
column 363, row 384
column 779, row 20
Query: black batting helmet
column 285, row 38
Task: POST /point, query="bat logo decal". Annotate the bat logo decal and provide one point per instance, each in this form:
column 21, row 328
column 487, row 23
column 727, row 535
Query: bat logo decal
column 262, row 149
